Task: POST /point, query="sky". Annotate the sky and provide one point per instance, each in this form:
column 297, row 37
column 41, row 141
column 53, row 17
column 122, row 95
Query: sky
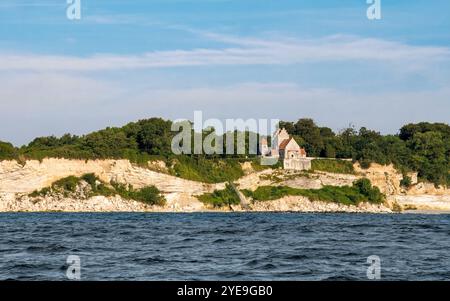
column 283, row 59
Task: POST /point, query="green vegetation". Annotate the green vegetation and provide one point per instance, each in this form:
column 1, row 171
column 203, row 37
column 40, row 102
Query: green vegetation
column 334, row 166
column 68, row 186
column 138, row 142
column 43, row 192
column 280, row 176
column 7, row 151
column 150, row 195
column 423, row 147
column 273, row 177
column 256, row 165
column 211, row 170
column 362, row 190
column 221, row 198
column 406, row 182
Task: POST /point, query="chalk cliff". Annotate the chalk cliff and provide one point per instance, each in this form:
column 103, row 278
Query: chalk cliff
column 35, row 175
column 18, row 181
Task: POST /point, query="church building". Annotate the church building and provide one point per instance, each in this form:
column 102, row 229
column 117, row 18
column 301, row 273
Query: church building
column 285, row 148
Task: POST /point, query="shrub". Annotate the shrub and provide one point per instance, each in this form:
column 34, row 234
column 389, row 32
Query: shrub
column 68, row 184
column 220, row 198
column 406, row 181
column 365, row 164
column 149, row 195
column 371, row 192
column 91, row 179
column 43, row 192
column 103, row 190
column 247, row 192
column 360, row 191
column 65, row 185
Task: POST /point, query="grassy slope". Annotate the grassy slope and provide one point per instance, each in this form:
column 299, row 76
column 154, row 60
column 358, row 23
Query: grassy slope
column 334, row 166
column 361, row 191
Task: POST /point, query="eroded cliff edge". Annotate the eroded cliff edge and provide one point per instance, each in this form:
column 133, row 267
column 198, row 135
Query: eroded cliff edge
column 18, row 181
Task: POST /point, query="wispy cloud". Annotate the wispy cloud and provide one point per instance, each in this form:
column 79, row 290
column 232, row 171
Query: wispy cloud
column 45, row 104
column 241, row 51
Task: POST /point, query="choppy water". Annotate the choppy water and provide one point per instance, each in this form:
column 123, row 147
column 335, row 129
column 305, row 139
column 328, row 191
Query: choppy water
column 216, row 246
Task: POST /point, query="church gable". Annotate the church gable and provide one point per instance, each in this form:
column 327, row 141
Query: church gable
column 292, row 145
column 284, row 144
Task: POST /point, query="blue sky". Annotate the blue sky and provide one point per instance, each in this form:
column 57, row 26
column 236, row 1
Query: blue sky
column 126, row 60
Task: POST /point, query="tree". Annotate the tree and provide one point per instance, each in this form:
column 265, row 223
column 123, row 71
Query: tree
column 7, row 151
column 346, row 138
column 372, row 193
column 429, row 156
column 289, row 126
column 310, row 132
column 326, row 132
column 110, row 142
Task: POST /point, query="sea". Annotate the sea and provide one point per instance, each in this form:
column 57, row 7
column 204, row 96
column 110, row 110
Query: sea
column 224, row 246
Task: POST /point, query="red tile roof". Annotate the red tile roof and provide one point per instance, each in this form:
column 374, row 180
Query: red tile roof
column 284, row 143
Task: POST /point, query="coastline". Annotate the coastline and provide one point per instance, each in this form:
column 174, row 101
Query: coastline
column 10, row 203
column 426, row 212
column 18, row 181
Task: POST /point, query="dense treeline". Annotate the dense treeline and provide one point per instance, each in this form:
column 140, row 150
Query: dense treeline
column 134, row 141
column 422, row 147
column 139, row 142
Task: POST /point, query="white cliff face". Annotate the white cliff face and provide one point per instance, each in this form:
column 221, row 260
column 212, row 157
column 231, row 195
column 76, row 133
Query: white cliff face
column 302, row 204
column 424, row 202
column 12, row 203
column 423, row 196
column 175, row 203
column 385, row 177
column 253, row 180
column 17, row 181
column 420, row 196
column 35, row 175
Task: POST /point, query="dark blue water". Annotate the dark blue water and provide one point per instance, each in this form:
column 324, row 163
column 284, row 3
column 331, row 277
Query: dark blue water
column 228, row 246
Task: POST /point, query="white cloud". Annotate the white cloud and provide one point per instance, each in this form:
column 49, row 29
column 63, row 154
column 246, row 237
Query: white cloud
column 242, row 51
column 45, row 104
column 384, row 111
column 49, row 91
column 49, row 94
